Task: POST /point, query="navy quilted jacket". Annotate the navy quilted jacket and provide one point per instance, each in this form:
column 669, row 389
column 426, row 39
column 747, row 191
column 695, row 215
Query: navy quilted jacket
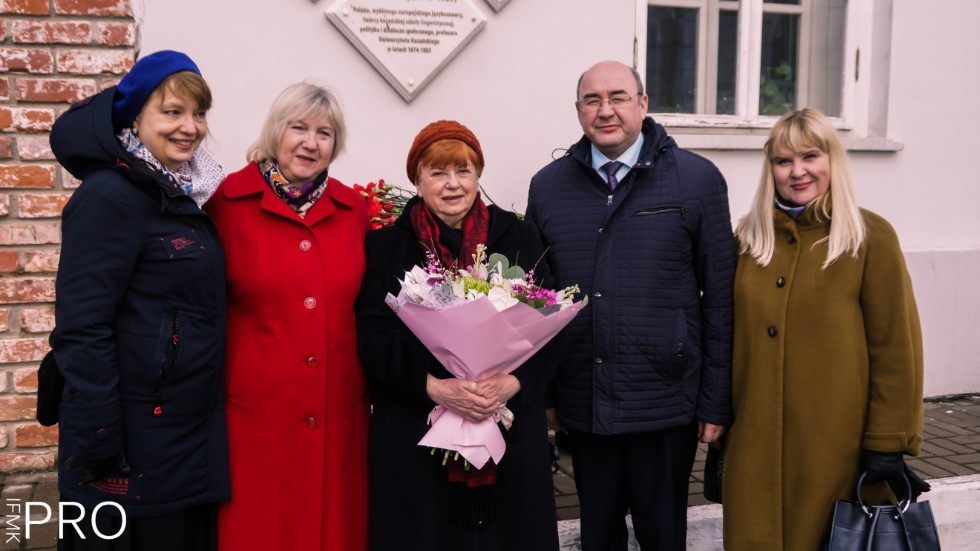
column 657, row 260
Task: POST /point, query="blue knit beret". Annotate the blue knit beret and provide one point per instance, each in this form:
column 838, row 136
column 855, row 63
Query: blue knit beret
column 135, row 88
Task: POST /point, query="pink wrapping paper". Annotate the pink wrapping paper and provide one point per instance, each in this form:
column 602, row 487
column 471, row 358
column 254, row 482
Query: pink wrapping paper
column 474, row 342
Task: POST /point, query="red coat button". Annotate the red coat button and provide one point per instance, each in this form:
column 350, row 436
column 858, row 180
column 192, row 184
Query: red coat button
column 311, row 422
column 310, row 303
column 305, row 245
column 312, row 362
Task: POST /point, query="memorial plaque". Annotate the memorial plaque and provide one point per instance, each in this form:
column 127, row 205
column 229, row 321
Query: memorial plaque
column 407, row 41
column 497, row 5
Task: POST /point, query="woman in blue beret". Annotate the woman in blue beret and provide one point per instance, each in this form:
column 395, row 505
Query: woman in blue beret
column 140, row 316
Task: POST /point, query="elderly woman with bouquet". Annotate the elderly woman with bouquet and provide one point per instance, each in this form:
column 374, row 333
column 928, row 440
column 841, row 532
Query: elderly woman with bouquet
column 440, row 501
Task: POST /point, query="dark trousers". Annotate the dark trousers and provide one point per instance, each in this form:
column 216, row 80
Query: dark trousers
column 644, row 473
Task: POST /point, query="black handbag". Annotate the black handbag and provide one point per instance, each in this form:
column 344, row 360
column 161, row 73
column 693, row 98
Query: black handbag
column 714, row 468
column 50, row 386
column 908, row 526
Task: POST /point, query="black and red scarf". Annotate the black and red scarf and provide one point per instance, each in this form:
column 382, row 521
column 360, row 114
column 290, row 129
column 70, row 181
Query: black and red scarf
column 474, row 228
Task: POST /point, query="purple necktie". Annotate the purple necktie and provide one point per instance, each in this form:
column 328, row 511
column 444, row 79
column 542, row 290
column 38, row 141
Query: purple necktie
column 611, row 168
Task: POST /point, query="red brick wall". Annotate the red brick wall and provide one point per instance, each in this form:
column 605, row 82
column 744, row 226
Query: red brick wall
column 52, row 52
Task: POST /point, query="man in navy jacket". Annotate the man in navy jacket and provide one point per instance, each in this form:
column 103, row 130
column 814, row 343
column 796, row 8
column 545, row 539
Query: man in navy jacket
column 643, row 228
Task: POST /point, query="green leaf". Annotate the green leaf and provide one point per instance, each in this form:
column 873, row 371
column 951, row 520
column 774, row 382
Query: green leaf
column 514, row 272
column 497, row 257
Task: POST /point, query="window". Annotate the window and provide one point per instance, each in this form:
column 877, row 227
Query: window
column 740, row 64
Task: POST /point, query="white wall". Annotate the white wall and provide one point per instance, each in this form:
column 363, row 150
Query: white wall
column 514, row 87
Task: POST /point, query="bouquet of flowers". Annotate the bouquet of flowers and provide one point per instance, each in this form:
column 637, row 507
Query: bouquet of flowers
column 480, row 321
column 385, row 202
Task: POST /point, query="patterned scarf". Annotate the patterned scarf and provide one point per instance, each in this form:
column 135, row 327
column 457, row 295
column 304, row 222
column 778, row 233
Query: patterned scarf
column 474, row 228
column 199, row 177
column 300, row 197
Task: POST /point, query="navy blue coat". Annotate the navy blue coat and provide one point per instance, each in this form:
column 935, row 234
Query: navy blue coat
column 140, row 327
column 657, row 260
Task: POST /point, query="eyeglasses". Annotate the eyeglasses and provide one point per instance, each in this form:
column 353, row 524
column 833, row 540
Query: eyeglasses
column 593, row 104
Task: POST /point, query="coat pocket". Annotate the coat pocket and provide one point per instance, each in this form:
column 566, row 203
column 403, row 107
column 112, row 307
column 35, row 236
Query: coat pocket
column 664, row 209
column 180, row 244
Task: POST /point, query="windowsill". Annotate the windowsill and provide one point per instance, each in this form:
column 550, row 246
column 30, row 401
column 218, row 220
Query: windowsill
column 738, row 142
column 729, row 133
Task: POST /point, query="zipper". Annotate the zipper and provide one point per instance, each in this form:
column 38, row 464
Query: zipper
column 173, row 344
column 661, row 210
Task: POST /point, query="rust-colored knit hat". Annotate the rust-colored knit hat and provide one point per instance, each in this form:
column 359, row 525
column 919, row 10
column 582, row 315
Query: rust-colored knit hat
column 439, row 130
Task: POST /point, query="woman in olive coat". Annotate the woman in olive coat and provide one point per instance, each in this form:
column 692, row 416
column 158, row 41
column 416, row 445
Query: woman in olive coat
column 827, row 365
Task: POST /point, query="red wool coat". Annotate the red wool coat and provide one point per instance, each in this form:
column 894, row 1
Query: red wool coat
column 297, row 405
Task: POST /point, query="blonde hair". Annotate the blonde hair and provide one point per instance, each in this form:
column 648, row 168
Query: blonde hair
column 798, row 131
column 297, row 102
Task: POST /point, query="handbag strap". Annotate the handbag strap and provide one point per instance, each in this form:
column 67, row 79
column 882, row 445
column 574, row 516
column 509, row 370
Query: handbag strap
column 903, row 504
column 897, row 511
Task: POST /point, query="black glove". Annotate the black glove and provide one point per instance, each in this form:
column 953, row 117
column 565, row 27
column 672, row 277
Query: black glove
column 94, row 469
column 916, row 483
column 883, row 466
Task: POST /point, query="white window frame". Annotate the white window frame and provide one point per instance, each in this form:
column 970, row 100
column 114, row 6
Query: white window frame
column 867, row 59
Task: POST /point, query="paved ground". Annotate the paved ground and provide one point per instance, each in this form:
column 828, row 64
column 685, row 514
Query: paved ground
column 951, row 448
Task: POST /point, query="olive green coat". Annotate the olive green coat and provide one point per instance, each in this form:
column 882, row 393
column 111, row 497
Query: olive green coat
column 826, row 362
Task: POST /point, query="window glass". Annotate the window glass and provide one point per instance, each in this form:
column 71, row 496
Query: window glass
column 672, row 53
column 780, row 63
column 727, row 54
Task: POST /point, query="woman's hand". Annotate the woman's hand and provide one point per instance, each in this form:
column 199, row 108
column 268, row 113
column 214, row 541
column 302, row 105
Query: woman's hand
column 501, row 387
column 462, row 397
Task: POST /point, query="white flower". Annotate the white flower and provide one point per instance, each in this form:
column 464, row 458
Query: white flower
column 416, row 284
column 501, row 299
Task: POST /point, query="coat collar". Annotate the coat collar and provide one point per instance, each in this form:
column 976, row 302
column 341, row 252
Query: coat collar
column 253, row 183
column 655, row 142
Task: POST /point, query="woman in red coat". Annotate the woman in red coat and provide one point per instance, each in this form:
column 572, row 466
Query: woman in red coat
column 297, row 407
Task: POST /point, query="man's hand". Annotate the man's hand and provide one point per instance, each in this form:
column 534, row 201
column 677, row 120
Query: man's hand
column 709, row 433
column 551, row 414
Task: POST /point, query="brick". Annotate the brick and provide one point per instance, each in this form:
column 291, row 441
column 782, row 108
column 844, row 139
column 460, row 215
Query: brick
column 68, row 181
column 94, row 61
column 23, row 350
column 4, row 204
column 20, row 290
column 26, row 176
column 8, row 262
column 53, row 90
column 35, row 436
column 3, row 438
column 34, row 148
column 17, row 408
column 26, row 119
column 37, row 320
column 93, row 7
column 18, row 462
column 31, row 60
column 30, row 205
column 38, row 233
column 41, row 261
column 39, row 31
column 6, row 149
column 117, row 34
column 4, row 86
column 24, row 7
column 25, row 380
column 4, row 326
